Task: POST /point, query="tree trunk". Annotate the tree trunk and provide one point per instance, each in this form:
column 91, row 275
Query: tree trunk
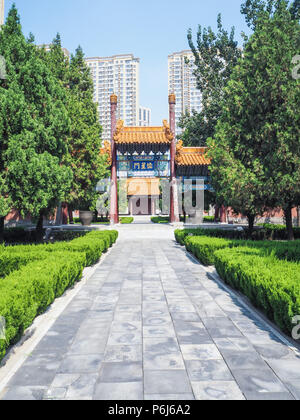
column 217, row 213
column 289, row 223
column 39, row 227
column 251, row 220
column 298, row 216
column 58, row 219
column 2, row 229
column 70, row 212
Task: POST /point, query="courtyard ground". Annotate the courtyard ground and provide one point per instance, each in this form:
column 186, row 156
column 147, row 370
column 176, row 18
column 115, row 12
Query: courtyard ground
column 152, row 323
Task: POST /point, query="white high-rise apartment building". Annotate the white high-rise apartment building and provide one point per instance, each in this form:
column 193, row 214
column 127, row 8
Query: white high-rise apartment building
column 144, row 117
column 183, row 84
column 117, row 75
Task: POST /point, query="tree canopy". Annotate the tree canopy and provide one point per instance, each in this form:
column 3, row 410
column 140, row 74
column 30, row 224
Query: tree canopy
column 215, row 56
column 49, row 127
column 256, row 149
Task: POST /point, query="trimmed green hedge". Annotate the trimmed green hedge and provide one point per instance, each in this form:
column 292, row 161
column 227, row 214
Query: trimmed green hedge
column 34, row 275
column 278, row 232
column 28, row 292
column 126, row 220
column 267, row 272
column 266, row 232
column 93, row 244
column 208, row 219
column 181, row 234
column 272, row 285
column 204, row 247
column 160, row 219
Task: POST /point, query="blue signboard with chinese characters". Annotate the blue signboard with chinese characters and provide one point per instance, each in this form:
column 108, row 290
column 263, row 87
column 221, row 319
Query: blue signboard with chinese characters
column 142, row 163
column 143, row 166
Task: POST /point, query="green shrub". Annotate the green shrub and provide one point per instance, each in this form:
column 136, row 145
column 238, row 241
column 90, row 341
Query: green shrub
column 181, row 234
column 277, row 232
column 272, row 285
column 11, row 260
column 208, row 219
column 27, row 292
column 93, row 244
column 126, row 220
column 204, row 247
column 67, row 235
column 263, row 233
column 160, row 219
column 34, row 275
column 16, row 234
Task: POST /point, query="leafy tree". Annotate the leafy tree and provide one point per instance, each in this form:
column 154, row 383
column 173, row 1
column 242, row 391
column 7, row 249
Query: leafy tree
column 239, row 183
column 84, row 158
column 216, row 54
column 257, row 138
column 36, row 177
column 14, row 115
column 192, row 134
column 254, row 10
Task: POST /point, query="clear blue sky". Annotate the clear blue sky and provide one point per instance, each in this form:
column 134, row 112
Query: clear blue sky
column 149, row 29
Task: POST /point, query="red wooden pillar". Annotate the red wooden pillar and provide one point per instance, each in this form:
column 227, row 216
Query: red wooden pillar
column 114, row 216
column 174, row 216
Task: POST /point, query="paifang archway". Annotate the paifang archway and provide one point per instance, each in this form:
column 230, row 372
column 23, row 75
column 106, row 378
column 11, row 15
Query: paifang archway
column 142, row 156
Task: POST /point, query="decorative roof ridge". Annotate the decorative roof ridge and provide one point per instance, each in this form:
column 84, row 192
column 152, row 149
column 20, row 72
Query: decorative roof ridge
column 166, row 135
column 199, row 149
column 182, row 154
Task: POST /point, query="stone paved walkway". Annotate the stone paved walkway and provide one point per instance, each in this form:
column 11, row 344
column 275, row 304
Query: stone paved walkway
column 151, row 324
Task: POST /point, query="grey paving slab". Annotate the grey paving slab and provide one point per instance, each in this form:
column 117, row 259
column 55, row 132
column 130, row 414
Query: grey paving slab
column 121, row 372
column 152, row 324
column 154, row 361
column 259, row 381
column 166, row 382
column 208, row 370
column 25, row 393
column 200, row 352
column 286, row 370
column 88, row 363
column 170, row 397
column 119, row 391
column 217, row 390
column 123, row 353
column 269, row 396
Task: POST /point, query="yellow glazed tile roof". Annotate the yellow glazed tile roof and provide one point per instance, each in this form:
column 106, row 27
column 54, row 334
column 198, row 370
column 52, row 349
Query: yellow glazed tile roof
column 143, row 135
column 191, row 156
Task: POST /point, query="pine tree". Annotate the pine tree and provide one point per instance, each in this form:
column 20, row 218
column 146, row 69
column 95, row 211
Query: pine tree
column 257, row 138
column 88, row 166
column 35, row 146
column 14, row 115
column 216, row 54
